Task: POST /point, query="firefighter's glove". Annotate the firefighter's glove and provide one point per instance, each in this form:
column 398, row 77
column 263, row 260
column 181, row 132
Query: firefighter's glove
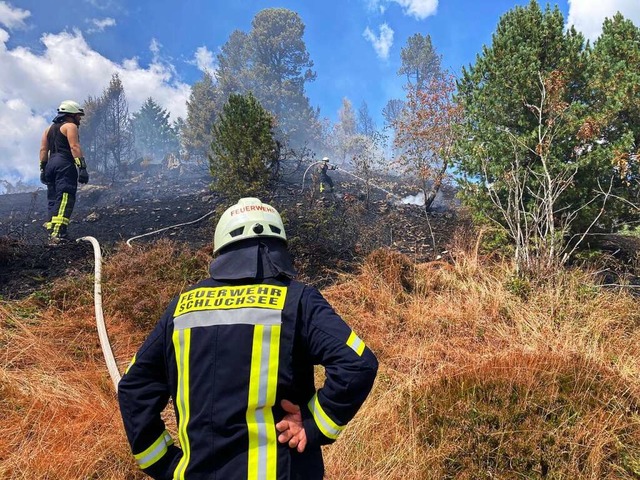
column 80, row 163
column 43, row 180
column 83, row 175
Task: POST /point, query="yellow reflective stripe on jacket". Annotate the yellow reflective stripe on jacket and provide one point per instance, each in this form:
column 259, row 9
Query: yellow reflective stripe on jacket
column 133, row 360
column 155, row 452
column 182, row 346
column 263, row 456
column 356, row 343
column 328, row 427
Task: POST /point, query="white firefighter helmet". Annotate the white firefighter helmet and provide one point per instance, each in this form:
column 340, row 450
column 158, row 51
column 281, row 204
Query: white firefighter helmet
column 325, row 159
column 70, row 107
column 249, row 218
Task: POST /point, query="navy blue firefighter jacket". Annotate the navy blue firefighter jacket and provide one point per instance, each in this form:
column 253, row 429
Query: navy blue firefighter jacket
column 227, row 351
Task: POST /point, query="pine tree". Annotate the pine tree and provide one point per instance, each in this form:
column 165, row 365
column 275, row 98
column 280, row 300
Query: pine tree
column 244, row 153
column 119, row 138
column 541, row 136
column 419, row 61
column 272, row 62
column 613, row 121
column 202, row 108
column 154, row 135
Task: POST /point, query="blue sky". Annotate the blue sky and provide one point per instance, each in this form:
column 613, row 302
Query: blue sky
column 52, row 51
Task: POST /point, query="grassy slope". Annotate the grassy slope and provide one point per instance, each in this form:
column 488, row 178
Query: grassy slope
column 475, row 381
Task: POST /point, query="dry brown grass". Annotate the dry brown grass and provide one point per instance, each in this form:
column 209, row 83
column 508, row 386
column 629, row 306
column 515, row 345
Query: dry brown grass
column 60, row 414
column 482, row 374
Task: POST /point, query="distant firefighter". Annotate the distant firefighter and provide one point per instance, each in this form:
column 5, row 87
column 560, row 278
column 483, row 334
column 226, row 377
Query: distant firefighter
column 325, row 180
column 62, row 166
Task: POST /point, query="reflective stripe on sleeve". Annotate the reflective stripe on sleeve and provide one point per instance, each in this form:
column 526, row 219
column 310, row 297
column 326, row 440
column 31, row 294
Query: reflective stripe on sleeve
column 133, row 360
column 356, row 343
column 328, row 427
column 155, row 452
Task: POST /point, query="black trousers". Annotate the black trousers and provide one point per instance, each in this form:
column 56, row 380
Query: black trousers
column 61, row 176
column 326, row 179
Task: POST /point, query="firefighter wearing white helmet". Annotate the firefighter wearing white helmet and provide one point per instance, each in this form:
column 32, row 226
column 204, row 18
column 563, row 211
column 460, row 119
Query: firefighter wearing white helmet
column 236, row 352
column 325, row 180
column 70, row 107
column 248, row 218
column 62, row 166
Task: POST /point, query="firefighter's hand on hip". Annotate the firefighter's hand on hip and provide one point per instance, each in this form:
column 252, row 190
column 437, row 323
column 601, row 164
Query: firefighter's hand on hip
column 291, row 427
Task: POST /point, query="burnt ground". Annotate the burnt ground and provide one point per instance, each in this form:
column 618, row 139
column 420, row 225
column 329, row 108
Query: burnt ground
column 117, row 212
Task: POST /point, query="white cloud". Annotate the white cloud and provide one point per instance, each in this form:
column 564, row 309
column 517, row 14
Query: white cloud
column 20, row 141
column 109, row 5
column 383, row 42
column 11, row 17
column 203, row 59
column 419, row 9
column 33, row 84
column 99, row 24
column 587, row 15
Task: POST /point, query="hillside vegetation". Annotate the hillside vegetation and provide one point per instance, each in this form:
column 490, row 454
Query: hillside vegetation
column 481, row 375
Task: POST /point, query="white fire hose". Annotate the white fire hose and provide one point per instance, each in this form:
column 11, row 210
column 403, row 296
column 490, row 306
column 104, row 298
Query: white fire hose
column 109, row 359
column 97, row 300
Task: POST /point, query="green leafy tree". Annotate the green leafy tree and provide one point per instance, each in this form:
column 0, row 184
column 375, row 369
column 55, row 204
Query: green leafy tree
column 425, row 135
column 244, row 153
column 154, row 135
column 202, row 108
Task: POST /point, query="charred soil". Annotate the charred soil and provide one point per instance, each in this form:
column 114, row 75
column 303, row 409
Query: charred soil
column 330, row 233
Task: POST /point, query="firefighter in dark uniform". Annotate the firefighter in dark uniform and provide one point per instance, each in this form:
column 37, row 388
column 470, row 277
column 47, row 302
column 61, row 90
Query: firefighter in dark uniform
column 62, row 166
column 324, row 178
column 236, row 353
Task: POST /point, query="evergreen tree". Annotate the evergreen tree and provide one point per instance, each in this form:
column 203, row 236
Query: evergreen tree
column 392, row 111
column 234, row 66
column 613, row 120
column 272, row 62
column 244, row 153
column 524, row 100
column 202, row 108
column 119, row 138
column 419, row 60
column 543, row 144
column 106, row 133
column 93, row 134
column 345, row 131
column 366, row 125
column 154, row 135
